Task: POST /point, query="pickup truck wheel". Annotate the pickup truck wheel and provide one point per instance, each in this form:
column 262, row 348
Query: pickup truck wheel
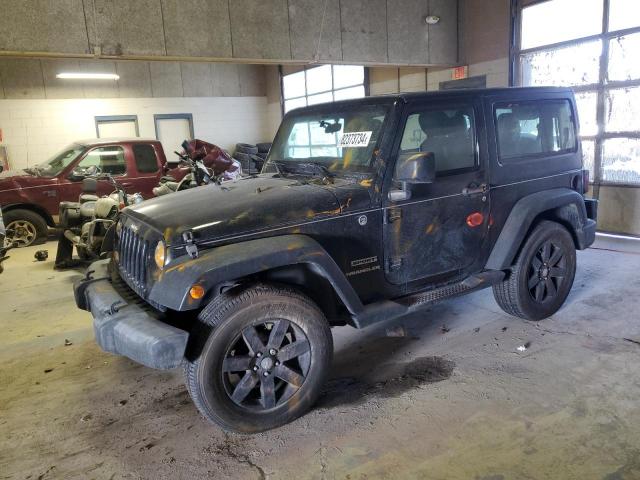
column 265, row 361
column 28, row 227
column 542, row 276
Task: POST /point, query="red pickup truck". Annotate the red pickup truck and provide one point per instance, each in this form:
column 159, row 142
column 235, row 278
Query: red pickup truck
column 30, row 198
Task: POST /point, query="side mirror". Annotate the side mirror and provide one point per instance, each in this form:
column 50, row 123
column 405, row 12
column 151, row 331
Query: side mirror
column 81, row 173
column 76, row 175
column 416, row 168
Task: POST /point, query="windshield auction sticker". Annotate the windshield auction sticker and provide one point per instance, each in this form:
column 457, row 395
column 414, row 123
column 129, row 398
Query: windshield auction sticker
column 355, row 139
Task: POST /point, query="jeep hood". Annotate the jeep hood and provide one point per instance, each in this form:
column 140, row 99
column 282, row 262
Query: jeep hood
column 249, row 205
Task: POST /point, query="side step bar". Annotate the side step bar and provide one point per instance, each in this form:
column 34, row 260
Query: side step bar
column 388, row 309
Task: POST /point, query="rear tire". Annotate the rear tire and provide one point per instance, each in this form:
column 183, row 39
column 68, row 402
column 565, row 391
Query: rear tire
column 542, row 276
column 29, row 228
column 246, row 148
column 265, row 361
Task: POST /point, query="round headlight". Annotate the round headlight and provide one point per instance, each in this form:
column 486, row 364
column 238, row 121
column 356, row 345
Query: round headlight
column 160, row 255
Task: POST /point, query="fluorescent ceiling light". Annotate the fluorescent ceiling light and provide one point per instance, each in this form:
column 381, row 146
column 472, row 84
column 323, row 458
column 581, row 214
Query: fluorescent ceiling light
column 88, row 76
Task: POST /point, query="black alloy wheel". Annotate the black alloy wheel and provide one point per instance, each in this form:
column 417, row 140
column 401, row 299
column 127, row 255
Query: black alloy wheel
column 547, row 272
column 266, row 365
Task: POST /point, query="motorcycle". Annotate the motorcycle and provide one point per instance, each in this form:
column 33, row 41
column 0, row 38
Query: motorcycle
column 85, row 224
column 208, row 164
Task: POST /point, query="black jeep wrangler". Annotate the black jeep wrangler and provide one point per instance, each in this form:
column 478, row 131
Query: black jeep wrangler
column 365, row 210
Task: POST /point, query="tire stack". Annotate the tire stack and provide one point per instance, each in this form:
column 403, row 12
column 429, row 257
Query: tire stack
column 263, row 151
column 251, row 157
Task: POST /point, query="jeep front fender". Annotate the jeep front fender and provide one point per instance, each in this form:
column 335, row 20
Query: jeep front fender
column 567, row 206
column 229, row 263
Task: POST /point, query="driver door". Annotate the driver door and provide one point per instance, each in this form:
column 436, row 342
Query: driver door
column 436, row 233
column 109, row 159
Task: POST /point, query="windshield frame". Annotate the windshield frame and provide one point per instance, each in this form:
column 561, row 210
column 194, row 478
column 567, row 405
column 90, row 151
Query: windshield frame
column 40, row 168
column 331, row 110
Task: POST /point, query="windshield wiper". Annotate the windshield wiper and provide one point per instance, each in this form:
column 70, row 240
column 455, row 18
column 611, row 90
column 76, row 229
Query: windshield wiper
column 319, row 168
column 280, row 167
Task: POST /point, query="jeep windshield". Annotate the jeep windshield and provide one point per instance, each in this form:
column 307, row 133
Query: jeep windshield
column 58, row 162
column 328, row 144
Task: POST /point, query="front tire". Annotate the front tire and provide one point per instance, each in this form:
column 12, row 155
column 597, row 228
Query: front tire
column 542, row 276
column 29, row 228
column 265, row 360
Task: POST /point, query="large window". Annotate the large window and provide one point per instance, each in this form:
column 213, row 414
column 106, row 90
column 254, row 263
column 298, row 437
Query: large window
column 326, row 83
column 534, row 128
column 591, row 46
column 339, row 140
column 448, row 134
column 108, row 159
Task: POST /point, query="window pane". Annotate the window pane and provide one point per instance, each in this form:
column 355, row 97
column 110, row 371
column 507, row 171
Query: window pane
column 347, row 75
column 145, row 157
column 446, row 133
column 622, row 110
column 575, row 65
column 320, row 98
column 623, row 14
column 586, row 102
column 532, row 128
column 346, row 93
column 318, row 79
column 343, row 140
column 621, row 160
column 623, row 53
column 293, row 85
column 559, row 20
column 299, row 134
column 109, row 159
column 588, row 156
column 297, row 103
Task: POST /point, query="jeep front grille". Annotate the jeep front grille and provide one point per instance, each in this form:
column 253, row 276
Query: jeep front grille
column 133, row 252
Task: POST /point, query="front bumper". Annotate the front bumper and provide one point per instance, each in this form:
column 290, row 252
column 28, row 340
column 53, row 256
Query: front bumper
column 125, row 328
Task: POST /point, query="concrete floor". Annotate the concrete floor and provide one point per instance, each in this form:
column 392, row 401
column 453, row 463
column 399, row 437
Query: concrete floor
column 407, row 399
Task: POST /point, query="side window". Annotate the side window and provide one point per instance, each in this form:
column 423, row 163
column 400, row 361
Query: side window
column 535, row 128
column 145, row 156
column 108, row 159
column 447, row 133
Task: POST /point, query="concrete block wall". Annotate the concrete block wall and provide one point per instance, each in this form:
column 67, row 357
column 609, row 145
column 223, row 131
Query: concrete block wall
column 384, row 80
column 23, row 78
column 35, row 129
column 278, row 31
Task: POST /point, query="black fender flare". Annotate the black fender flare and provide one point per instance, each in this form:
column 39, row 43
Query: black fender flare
column 570, row 209
column 221, row 265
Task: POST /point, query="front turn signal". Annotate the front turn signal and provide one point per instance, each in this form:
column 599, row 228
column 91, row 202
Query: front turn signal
column 196, row 292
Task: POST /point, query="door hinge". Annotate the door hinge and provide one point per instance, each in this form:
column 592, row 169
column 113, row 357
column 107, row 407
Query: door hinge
column 393, row 214
column 190, row 244
column 394, row 263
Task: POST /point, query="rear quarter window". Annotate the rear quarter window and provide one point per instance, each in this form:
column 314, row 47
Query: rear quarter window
column 534, row 128
column 145, row 156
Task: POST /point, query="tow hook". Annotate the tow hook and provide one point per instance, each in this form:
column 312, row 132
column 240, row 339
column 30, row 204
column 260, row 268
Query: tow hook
column 116, row 307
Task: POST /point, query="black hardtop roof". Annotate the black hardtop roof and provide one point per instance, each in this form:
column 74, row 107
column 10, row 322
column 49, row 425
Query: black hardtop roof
column 417, row 96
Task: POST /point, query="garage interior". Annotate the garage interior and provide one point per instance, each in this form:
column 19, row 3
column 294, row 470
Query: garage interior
column 459, row 390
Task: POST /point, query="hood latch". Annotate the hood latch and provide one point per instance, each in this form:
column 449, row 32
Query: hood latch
column 190, row 244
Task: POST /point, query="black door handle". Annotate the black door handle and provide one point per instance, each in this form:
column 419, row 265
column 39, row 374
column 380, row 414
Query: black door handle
column 474, row 189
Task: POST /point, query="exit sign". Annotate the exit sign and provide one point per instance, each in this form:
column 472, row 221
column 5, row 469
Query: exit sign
column 459, row 73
